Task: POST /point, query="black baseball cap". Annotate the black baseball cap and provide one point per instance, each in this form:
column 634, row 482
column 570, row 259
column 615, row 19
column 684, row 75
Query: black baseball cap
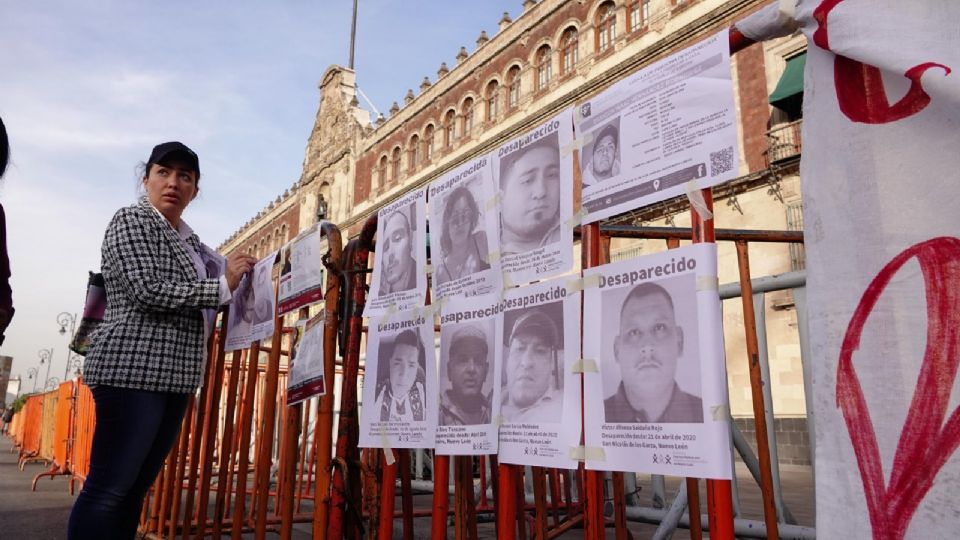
column 164, row 152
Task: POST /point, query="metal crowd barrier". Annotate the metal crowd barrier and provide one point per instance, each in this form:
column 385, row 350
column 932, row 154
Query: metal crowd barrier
column 244, row 461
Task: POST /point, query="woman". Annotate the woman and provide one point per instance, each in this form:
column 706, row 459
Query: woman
column 464, row 251
column 6, row 295
column 147, row 354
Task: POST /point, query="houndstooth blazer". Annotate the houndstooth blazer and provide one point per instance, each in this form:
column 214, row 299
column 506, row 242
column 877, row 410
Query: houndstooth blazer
column 151, row 337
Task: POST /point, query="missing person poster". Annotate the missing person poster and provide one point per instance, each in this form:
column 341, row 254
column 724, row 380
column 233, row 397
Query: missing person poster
column 659, row 403
column 306, row 378
column 252, row 306
column 301, row 270
column 470, row 376
column 534, row 174
column 668, row 129
column 540, row 396
column 400, row 386
column 399, row 282
column 465, row 243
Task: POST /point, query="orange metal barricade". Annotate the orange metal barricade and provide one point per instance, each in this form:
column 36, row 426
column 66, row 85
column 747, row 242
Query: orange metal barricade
column 246, row 462
column 62, row 428
column 32, row 414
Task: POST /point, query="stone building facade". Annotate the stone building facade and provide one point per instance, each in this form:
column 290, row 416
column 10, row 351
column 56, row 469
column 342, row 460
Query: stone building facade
column 552, row 55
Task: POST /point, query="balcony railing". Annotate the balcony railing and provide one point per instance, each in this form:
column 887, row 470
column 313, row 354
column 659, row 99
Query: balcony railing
column 783, row 142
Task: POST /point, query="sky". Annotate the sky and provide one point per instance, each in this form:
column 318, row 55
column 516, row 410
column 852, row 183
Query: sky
column 88, row 88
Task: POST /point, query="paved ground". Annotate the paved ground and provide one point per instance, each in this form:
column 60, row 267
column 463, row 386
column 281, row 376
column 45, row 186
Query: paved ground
column 43, row 514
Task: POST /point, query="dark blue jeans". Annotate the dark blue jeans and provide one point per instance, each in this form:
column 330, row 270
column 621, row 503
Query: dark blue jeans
column 135, row 431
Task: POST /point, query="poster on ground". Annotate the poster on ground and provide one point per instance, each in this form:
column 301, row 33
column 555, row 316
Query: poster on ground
column 307, row 378
column 667, row 129
column 465, row 244
column 253, row 306
column 470, row 376
column 301, row 270
column 540, row 394
column 400, row 386
column 659, row 402
column 534, row 174
column 399, row 282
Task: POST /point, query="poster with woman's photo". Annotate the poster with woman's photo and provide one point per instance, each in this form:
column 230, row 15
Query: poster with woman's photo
column 399, row 281
column 667, row 129
column 307, row 376
column 535, row 175
column 400, row 386
column 301, row 270
column 252, row 307
column 469, row 376
column 539, row 396
column 659, row 402
column 464, row 243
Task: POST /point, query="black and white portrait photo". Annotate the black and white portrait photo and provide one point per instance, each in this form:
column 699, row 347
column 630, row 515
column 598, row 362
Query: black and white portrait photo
column 242, row 306
column 401, row 378
column 652, row 358
column 463, row 240
column 530, row 196
column 466, row 373
column 395, row 250
column 532, row 381
column 600, row 159
column 262, row 291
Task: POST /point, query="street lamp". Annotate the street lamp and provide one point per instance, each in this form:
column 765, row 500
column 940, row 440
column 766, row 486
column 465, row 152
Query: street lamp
column 46, row 356
column 51, row 383
column 32, row 374
column 74, row 361
column 67, row 319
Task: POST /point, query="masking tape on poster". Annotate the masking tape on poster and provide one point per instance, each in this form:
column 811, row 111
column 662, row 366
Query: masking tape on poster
column 385, row 318
column 576, row 144
column 695, row 196
column 585, row 365
column 428, row 268
column 387, row 451
column 576, row 219
column 708, row 283
column 492, row 203
column 587, row 453
column 720, row 413
column 587, row 282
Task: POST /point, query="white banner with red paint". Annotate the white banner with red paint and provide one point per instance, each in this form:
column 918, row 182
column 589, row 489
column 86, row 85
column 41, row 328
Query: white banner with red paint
column 881, row 187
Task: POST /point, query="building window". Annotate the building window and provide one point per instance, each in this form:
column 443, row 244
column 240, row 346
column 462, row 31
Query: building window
column 395, row 165
column 606, row 26
column 493, row 101
column 544, row 67
column 571, row 50
column 513, row 82
column 413, row 156
column 428, row 136
column 382, row 172
column 639, row 14
column 449, row 128
column 467, row 117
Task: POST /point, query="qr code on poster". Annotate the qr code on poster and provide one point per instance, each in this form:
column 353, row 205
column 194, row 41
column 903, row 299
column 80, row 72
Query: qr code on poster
column 721, row 162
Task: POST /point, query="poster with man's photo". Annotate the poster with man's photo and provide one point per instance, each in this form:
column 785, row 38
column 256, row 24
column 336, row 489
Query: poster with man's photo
column 465, row 246
column 252, row 306
column 535, row 176
column 469, row 376
column 659, row 402
column 539, row 396
column 307, row 377
column 301, row 270
column 399, row 281
column 667, row 129
column 400, row 382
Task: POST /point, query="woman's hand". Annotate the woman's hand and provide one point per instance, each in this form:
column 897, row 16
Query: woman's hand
column 238, row 264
